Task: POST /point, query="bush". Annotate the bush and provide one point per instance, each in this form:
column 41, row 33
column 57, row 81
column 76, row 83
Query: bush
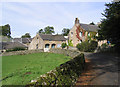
column 103, row 46
column 15, row 49
column 93, row 45
column 70, row 43
column 63, row 45
column 87, row 46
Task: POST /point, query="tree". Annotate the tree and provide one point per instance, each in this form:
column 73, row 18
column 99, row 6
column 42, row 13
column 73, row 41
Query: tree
column 27, row 35
column 65, row 31
column 100, row 35
column 5, row 30
column 110, row 25
column 41, row 31
column 92, row 23
column 47, row 30
column 63, row 45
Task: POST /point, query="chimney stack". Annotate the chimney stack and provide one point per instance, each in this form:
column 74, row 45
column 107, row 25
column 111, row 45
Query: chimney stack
column 76, row 21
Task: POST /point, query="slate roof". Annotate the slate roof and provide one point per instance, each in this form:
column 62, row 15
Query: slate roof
column 10, row 45
column 22, row 40
column 88, row 27
column 51, row 37
column 5, row 39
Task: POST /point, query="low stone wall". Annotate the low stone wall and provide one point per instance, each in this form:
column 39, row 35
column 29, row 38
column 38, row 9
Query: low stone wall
column 67, row 52
column 64, row 75
column 21, row 52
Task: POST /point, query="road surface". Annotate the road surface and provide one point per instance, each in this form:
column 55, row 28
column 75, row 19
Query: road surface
column 102, row 69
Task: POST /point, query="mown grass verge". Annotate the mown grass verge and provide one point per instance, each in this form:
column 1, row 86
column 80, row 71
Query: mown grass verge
column 21, row 69
column 64, row 75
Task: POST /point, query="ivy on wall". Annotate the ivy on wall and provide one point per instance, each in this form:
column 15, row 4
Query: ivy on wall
column 78, row 30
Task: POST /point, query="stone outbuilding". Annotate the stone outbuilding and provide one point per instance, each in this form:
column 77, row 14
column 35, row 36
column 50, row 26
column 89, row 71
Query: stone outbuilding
column 25, row 41
column 46, row 41
column 10, row 45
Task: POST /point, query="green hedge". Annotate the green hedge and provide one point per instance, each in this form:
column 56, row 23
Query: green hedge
column 65, row 75
column 15, row 49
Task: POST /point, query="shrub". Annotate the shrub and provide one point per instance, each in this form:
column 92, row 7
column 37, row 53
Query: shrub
column 15, row 49
column 87, row 46
column 70, row 43
column 63, row 45
column 104, row 46
column 93, row 45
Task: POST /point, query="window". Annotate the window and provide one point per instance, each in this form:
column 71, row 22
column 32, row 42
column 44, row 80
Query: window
column 36, row 46
column 53, row 46
column 80, row 41
column 58, row 45
column 80, row 34
column 37, row 37
column 47, row 45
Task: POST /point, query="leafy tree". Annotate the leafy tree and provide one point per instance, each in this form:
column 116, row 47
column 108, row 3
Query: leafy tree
column 5, row 30
column 110, row 26
column 41, row 31
column 47, row 30
column 92, row 23
column 100, row 35
column 65, row 31
column 27, row 35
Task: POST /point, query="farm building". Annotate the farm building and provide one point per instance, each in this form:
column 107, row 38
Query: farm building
column 47, row 41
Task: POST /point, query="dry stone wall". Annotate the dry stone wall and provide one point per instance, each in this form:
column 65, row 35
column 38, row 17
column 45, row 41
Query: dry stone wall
column 21, row 52
column 71, row 53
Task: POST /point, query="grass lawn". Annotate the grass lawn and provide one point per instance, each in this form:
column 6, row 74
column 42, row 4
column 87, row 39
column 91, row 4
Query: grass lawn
column 21, row 69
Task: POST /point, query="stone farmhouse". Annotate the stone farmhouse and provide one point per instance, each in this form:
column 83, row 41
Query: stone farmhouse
column 81, row 32
column 46, row 41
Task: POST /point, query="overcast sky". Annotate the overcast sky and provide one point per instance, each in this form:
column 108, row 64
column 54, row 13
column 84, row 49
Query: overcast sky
column 29, row 17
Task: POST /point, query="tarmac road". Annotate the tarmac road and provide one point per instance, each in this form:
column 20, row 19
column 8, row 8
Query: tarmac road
column 105, row 68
